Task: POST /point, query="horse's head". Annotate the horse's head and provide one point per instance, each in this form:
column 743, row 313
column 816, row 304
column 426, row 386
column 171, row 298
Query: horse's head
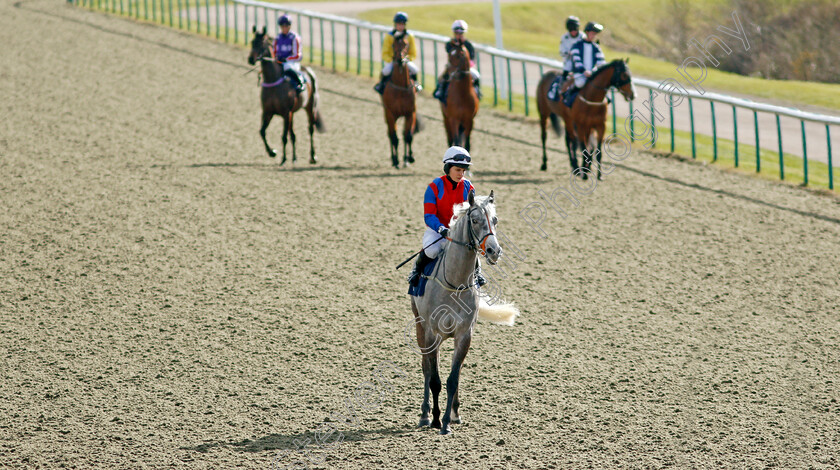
column 622, row 80
column 400, row 47
column 260, row 45
column 480, row 217
column 459, row 57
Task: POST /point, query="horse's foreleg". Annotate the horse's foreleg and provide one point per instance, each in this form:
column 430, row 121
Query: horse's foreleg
column 447, row 126
column 543, row 135
column 394, row 142
column 408, row 137
column 462, row 345
column 435, row 385
column 266, row 119
column 571, row 148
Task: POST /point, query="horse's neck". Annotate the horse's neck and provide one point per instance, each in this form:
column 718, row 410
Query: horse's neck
column 271, row 72
column 460, row 260
column 399, row 76
column 596, row 90
column 459, row 76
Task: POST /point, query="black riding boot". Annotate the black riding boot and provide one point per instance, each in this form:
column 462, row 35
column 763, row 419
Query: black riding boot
column 477, row 85
column 440, row 91
column 421, row 263
column 479, row 278
column 380, row 87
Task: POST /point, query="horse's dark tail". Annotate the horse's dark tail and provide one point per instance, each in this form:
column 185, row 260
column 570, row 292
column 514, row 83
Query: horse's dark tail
column 319, row 123
column 418, row 124
column 555, row 124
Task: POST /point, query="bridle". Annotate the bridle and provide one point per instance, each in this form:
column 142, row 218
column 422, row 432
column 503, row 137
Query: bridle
column 463, row 67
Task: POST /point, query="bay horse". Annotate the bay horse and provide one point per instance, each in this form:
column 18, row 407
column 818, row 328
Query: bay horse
column 399, row 100
column 279, row 97
column 588, row 112
column 462, row 101
column 451, row 303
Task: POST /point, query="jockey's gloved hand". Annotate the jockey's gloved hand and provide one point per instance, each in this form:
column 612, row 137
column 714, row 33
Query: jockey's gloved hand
column 443, row 232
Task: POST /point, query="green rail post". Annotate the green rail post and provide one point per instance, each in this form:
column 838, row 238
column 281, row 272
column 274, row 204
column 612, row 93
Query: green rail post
column 122, row 11
column 370, row 41
column 146, row 10
column 422, row 64
column 781, row 153
column 757, row 148
column 137, row 9
column 509, row 85
column 154, row 11
column 180, row 18
column 652, row 120
column 804, row 153
column 347, row 46
column 714, row 131
column 311, row 41
column 525, row 86
column 612, row 101
column 671, row 113
column 495, row 87
column 435, row 59
column 227, row 22
column 691, row 118
column 207, row 17
column 332, row 42
column 358, row 50
column 632, row 130
column 189, row 19
column 830, row 168
column 323, row 46
column 735, row 128
column 217, row 19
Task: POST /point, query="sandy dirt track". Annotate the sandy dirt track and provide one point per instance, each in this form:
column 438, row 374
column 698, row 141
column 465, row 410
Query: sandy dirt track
column 171, row 298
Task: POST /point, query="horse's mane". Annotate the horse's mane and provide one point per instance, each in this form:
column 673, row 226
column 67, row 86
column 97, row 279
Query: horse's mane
column 462, row 208
column 612, row 64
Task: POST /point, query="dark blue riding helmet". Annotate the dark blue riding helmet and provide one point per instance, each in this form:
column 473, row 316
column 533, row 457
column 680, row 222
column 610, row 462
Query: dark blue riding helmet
column 401, row 17
column 284, row 20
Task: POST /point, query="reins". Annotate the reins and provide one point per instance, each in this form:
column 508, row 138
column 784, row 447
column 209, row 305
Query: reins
column 475, row 244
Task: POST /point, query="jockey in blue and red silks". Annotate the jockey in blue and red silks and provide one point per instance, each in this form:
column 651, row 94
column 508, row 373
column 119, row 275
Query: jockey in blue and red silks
column 288, row 51
column 441, row 196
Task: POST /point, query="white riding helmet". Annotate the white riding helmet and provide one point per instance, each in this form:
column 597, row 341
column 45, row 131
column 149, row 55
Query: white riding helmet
column 457, row 156
column 459, row 26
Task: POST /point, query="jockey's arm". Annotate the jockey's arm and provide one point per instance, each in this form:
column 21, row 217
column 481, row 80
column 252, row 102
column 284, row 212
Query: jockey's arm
column 388, row 49
column 412, row 48
column 577, row 62
column 430, row 209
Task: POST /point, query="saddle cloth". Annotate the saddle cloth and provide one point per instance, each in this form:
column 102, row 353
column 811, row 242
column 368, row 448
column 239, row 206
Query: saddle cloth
column 421, row 285
column 554, row 89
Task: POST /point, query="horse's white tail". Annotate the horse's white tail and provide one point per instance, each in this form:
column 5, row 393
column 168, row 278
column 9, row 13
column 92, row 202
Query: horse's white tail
column 500, row 312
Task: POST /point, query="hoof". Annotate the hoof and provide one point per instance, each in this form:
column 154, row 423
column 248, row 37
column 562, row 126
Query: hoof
column 456, row 420
column 435, row 424
column 544, row 167
column 283, row 161
column 600, row 178
column 272, row 153
column 424, row 422
column 584, row 176
column 409, row 158
column 313, row 160
column 445, row 430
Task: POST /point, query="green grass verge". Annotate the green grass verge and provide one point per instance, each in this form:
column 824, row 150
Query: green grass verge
column 536, row 28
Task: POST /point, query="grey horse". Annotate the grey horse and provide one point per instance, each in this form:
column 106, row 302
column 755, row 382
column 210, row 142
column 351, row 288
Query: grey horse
column 451, row 303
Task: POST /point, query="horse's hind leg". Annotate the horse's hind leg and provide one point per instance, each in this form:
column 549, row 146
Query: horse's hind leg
column 266, row 119
column 292, row 135
column 435, row 385
column 467, row 131
column 462, row 345
column 285, row 137
column 310, row 114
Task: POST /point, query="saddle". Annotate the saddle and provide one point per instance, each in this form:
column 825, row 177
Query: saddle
column 559, row 87
column 424, row 278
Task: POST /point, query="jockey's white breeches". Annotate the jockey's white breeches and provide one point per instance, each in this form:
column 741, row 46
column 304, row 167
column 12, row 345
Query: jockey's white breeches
column 389, row 67
column 474, row 73
column 567, row 65
column 580, row 80
column 429, row 236
column 291, row 66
